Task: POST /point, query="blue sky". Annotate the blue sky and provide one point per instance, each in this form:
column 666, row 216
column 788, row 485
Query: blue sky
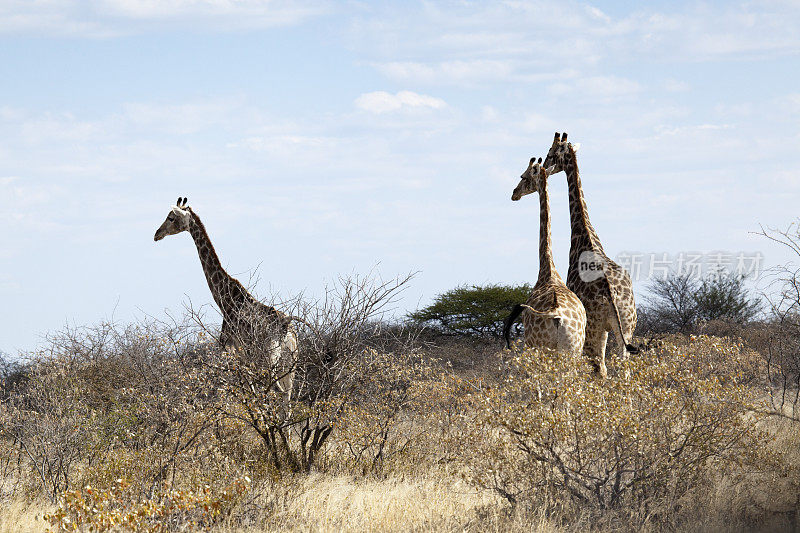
column 321, row 138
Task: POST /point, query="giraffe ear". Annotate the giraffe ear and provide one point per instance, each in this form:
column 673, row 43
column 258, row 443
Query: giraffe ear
column 576, row 146
column 551, row 170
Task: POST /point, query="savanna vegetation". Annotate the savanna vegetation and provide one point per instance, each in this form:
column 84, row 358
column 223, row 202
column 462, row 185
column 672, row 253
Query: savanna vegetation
column 394, row 426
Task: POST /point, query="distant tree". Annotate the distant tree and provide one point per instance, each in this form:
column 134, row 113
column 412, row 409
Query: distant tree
column 725, row 298
column 670, row 306
column 472, row 309
column 677, row 303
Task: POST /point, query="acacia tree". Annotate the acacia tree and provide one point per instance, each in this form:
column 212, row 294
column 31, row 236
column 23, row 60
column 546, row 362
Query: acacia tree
column 472, row 310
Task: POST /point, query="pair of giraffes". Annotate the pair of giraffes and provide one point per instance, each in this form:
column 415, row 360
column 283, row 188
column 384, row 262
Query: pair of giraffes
column 598, row 297
column 575, row 317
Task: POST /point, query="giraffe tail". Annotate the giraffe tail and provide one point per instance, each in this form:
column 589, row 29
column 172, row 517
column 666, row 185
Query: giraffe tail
column 516, row 311
column 630, row 348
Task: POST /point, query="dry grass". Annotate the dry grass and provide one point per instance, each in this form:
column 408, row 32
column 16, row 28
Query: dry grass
column 441, row 502
column 342, row 504
column 323, row 503
column 19, row 516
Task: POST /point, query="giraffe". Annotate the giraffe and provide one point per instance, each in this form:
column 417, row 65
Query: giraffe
column 602, row 285
column 245, row 320
column 554, row 317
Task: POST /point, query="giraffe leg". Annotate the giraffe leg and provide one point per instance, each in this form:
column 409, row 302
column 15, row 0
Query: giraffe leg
column 226, row 336
column 624, row 353
column 595, row 348
column 283, row 355
column 288, row 353
column 603, row 371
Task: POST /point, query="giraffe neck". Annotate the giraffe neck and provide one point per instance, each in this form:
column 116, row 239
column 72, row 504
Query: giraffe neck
column 224, row 288
column 583, row 235
column 546, row 265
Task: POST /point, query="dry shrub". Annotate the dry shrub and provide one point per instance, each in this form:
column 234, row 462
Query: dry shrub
column 375, row 430
column 119, row 508
column 729, row 359
column 48, row 429
column 554, row 436
column 766, row 498
column 778, row 342
column 103, row 403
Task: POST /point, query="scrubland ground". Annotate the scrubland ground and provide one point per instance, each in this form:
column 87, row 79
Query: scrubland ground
column 109, row 433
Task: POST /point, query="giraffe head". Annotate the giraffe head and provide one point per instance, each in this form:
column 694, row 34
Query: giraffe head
column 559, row 151
column 177, row 220
column 532, row 180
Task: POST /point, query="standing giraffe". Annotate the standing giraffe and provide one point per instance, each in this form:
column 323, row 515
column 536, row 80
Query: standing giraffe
column 554, row 317
column 602, row 285
column 245, row 320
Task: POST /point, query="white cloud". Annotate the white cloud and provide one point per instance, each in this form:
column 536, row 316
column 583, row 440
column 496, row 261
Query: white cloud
column 222, row 14
column 9, row 113
column 676, row 86
column 488, row 113
column 595, row 12
column 59, row 128
column 539, row 122
column 597, row 87
column 109, row 18
column 183, row 118
column 447, row 72
column 513, row 40
column 383, row 102
column 791, row 103
column 290, row 146
column 693, row 129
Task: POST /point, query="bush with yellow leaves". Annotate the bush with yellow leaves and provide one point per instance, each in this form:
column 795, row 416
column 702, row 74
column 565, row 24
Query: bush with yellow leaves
column 554, row 435
column 119, row 509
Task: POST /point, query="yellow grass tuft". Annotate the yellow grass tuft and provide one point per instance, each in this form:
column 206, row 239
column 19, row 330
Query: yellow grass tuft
column 340, row 504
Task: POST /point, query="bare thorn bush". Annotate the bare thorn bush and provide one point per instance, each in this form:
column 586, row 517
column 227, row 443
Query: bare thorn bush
column 340, row 340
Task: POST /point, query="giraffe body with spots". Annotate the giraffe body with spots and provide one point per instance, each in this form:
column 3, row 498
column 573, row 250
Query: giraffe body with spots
column 553, row 316
column 605, row 290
